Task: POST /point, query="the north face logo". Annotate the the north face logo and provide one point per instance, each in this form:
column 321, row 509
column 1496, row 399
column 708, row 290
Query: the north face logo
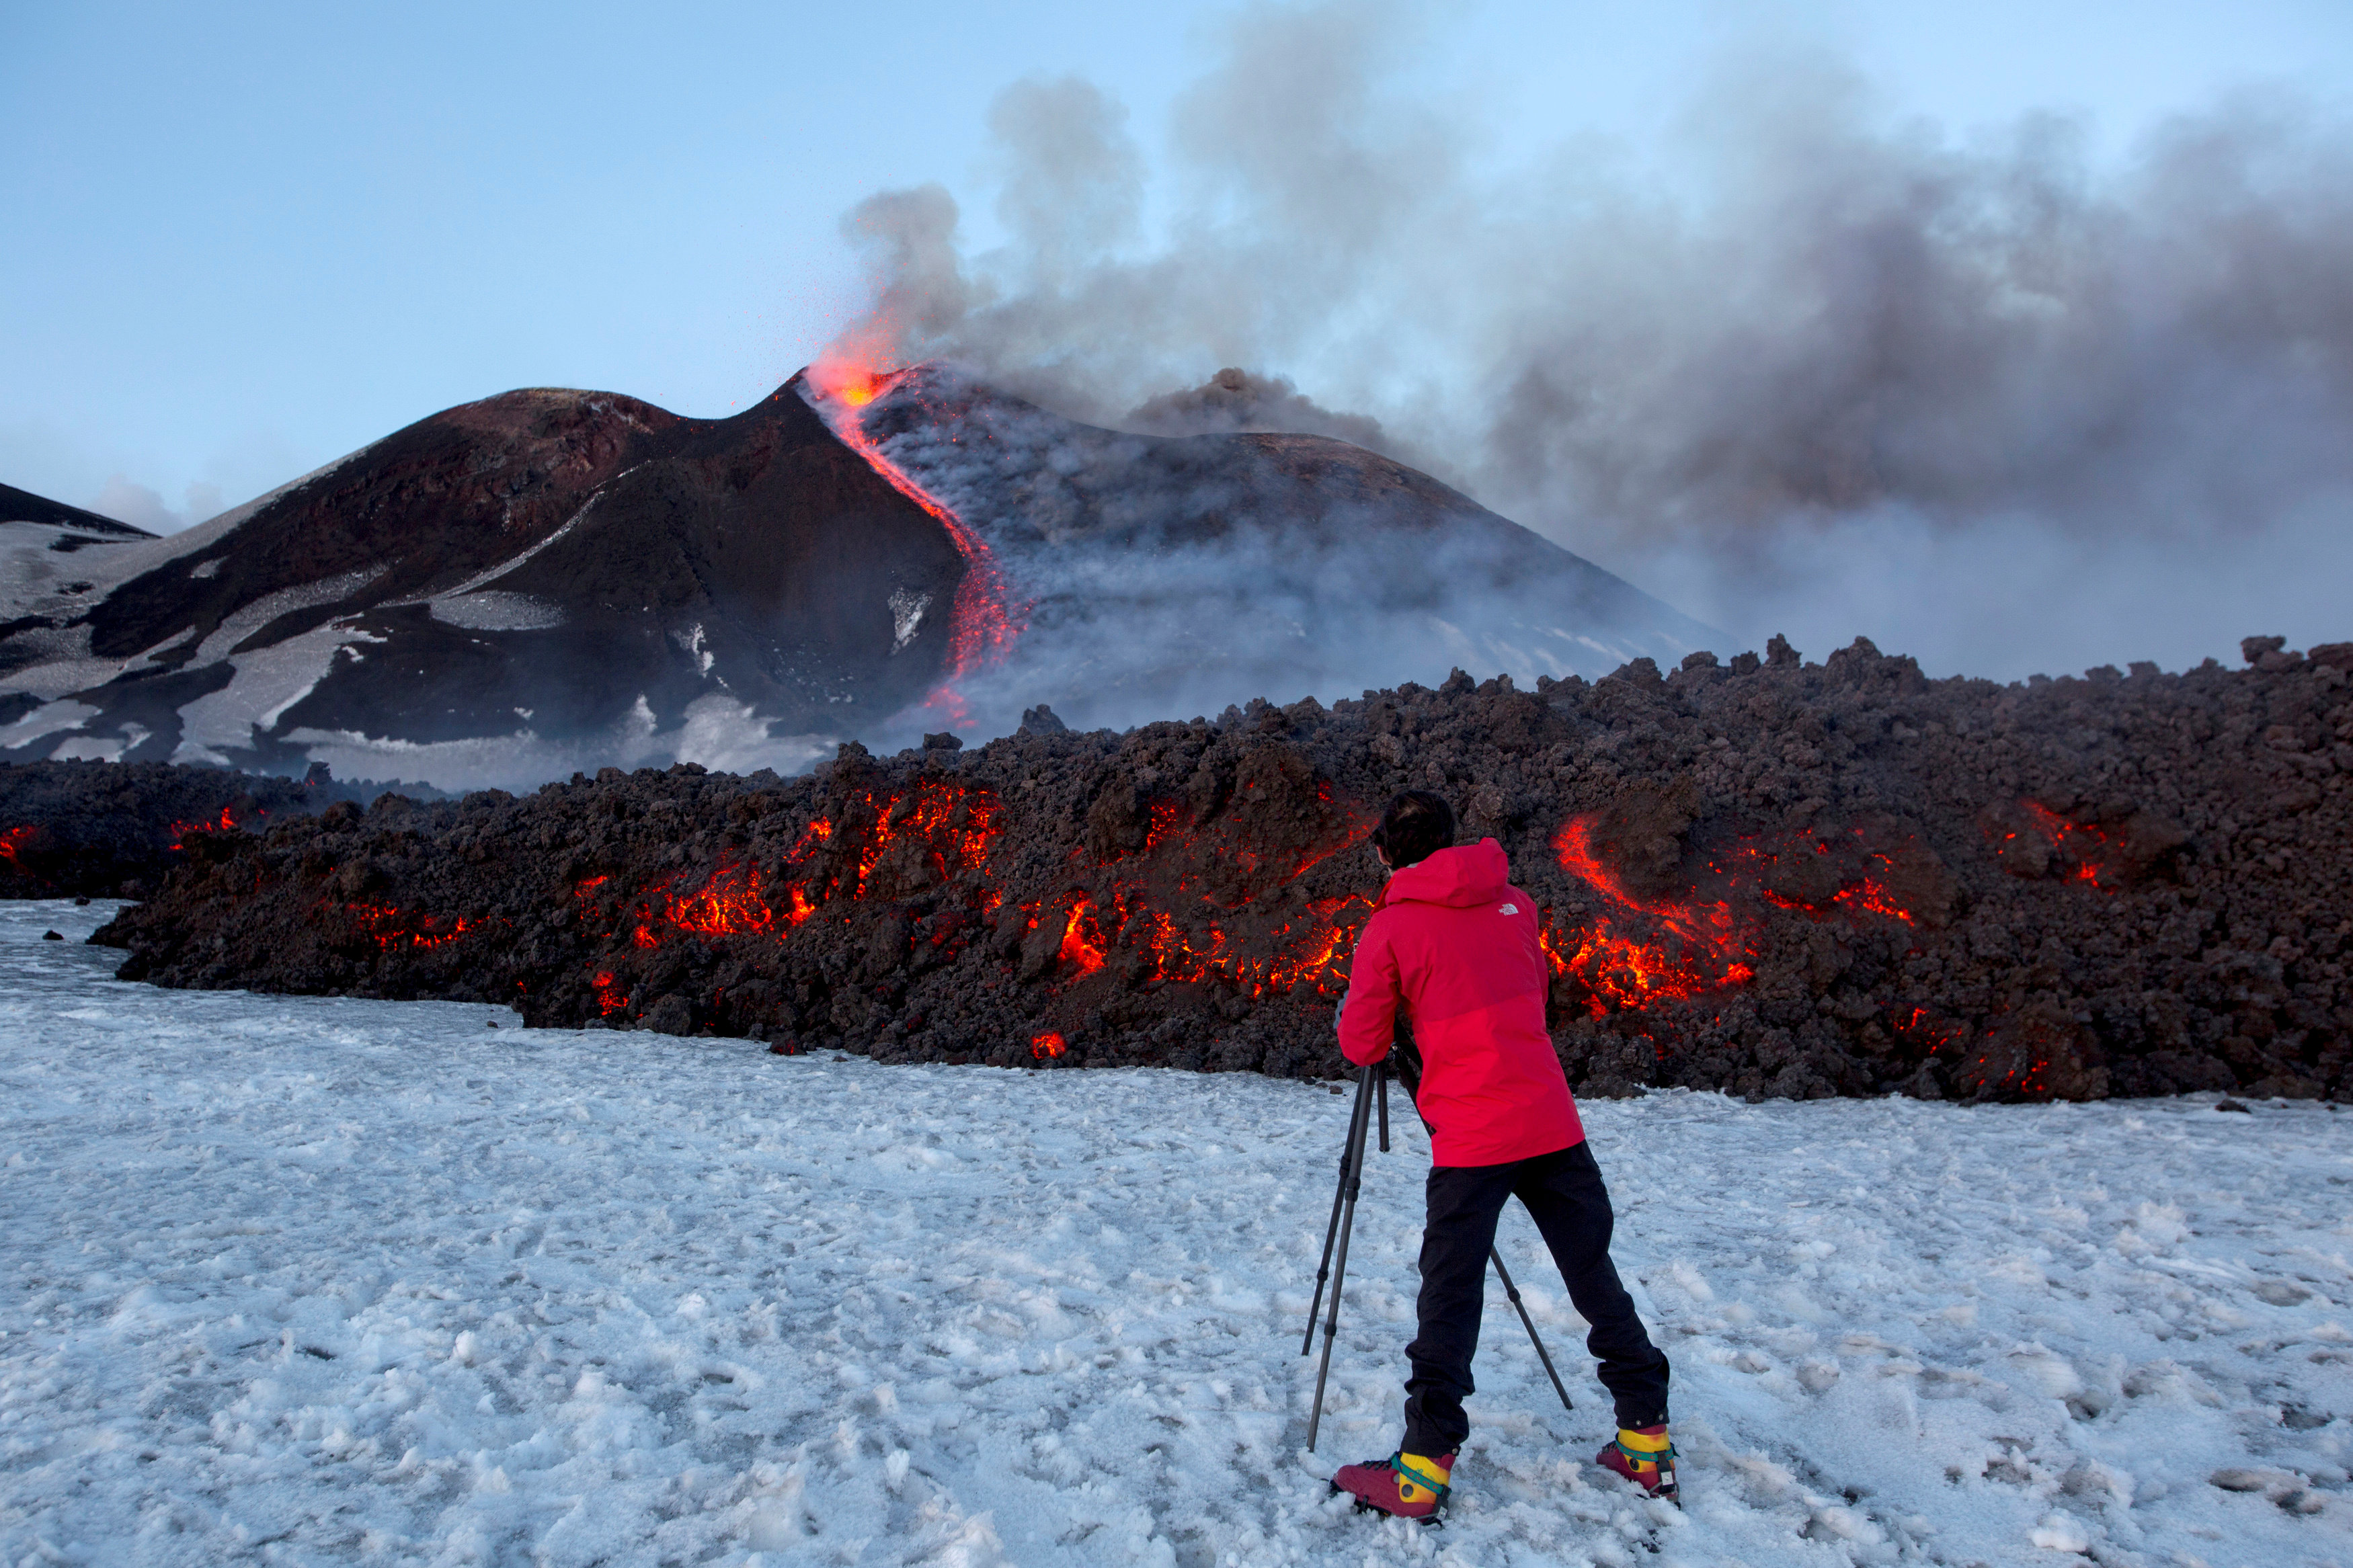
column 1508, row 910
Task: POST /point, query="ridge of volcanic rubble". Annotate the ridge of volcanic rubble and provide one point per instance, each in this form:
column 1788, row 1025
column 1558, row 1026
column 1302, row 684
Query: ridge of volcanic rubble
column 99, row 830
column 1773, row 878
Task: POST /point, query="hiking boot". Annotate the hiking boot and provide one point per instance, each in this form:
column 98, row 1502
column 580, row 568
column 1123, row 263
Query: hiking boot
column 1644, row 1457
column 1408, row 1486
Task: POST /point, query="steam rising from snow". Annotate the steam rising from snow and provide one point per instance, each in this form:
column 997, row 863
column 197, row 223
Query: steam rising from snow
column 1983, row 398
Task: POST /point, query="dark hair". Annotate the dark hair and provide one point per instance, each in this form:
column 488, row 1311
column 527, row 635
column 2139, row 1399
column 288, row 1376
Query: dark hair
column 1415, row 825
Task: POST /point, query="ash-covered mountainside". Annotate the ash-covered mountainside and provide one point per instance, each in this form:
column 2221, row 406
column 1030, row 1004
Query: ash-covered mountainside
column 1141, row 575
column 1773, row 878
column 547, row 581
column 113, row 829
column 538, row 578
column 55, row 526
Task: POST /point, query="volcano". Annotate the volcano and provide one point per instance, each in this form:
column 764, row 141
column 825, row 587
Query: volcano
column 551, row 580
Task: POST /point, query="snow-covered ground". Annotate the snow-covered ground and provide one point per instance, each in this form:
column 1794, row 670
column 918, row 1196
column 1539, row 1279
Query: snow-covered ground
column 312, row 1280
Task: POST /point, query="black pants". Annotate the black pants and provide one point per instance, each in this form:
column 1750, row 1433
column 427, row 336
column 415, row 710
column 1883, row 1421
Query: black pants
column 1564, row 1193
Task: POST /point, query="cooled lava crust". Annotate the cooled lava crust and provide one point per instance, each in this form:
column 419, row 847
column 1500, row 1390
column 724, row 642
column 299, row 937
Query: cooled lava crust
column 1775, row 878
column 115, row 829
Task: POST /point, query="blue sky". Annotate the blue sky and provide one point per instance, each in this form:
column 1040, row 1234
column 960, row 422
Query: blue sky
column 245, row 239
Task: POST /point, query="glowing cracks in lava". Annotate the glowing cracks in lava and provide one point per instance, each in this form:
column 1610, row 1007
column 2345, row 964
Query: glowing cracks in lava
column 1700, row 945
column 728, row 904
column 1314, row 958
column 984, row 619
column 1082, row 951
column 610, row 998
column 391, row 929
column 2087, row 847
column 1924, row 1032
column 947, row 825
column 1703, row 949
column 1045, row 1047
column 14, row 840
column 954, row 824
column 182, row 831
column 1872, row 898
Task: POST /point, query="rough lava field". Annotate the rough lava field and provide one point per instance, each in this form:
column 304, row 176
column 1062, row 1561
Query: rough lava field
column 301, row 1279
column 1770, row 877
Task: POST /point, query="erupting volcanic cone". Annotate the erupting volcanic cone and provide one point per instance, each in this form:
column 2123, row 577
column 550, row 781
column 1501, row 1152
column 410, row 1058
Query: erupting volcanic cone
column 548, row 581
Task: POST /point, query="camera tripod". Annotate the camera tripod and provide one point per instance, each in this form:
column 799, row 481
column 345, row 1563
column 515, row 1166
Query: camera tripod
column 1372, row 1092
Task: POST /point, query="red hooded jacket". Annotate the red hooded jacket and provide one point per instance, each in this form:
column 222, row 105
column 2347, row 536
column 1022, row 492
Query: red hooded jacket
column 1454, row 945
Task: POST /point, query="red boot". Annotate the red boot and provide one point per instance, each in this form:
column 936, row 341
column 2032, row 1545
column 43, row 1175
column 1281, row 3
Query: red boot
column 1409, row 1486
column 1644, row 1457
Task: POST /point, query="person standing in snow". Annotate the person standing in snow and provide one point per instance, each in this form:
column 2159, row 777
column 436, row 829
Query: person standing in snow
column 1452, row 949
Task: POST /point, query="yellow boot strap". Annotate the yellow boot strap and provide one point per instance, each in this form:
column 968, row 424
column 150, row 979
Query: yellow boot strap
column 1417, row 1475
column 1645, row 1448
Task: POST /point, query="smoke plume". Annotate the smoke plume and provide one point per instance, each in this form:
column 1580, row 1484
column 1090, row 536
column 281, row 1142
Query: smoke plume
column 1984, row 396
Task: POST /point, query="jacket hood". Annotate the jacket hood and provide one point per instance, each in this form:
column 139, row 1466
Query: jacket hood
column 1472, row 874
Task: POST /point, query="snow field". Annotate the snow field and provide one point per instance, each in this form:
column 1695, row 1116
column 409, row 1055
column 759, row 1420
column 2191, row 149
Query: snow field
column 318, row 1280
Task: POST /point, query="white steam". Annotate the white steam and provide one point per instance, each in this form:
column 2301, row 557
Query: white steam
column 1979, row 397
column 142, row 505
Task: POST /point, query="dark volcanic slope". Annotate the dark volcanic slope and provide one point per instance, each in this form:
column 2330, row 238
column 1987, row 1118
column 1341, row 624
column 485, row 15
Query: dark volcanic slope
column 1163, row 574
column 1777, row 878
column 544, row 561
column 24, row 506
column 548, row 580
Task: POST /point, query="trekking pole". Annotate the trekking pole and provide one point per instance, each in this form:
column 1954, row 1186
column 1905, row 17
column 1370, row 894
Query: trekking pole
column 1352, row 1170
column 1495, row 1257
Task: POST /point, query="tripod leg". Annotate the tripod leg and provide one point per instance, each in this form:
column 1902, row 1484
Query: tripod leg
column 1381, row 1094
column 1349, row 1188
column 1324, row 1269
column 1496, row 1257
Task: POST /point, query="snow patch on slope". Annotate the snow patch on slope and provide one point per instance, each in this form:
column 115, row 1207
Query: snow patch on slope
column 362, row 1277
column 492, row 610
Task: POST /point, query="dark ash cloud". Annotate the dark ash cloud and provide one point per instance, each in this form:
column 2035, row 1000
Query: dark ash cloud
column 1818, row 362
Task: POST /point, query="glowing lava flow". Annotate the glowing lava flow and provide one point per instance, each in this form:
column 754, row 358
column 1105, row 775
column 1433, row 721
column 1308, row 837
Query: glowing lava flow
column 982, row 623
column 1083, row 945
column 1706, row 953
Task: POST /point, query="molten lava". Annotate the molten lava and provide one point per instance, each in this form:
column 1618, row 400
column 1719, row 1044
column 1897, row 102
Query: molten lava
column 611, row 998
column 1048, row 1045
column 1083, row 945
column 16, row 839
column 1699, row 946
column 1310, row 954
column 727, row 904
column 983, row 620
column 392, row 928
column 2087, row 846
column 945, row 825
column 955, row 825
column 181, row 831
column 1704, row 947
